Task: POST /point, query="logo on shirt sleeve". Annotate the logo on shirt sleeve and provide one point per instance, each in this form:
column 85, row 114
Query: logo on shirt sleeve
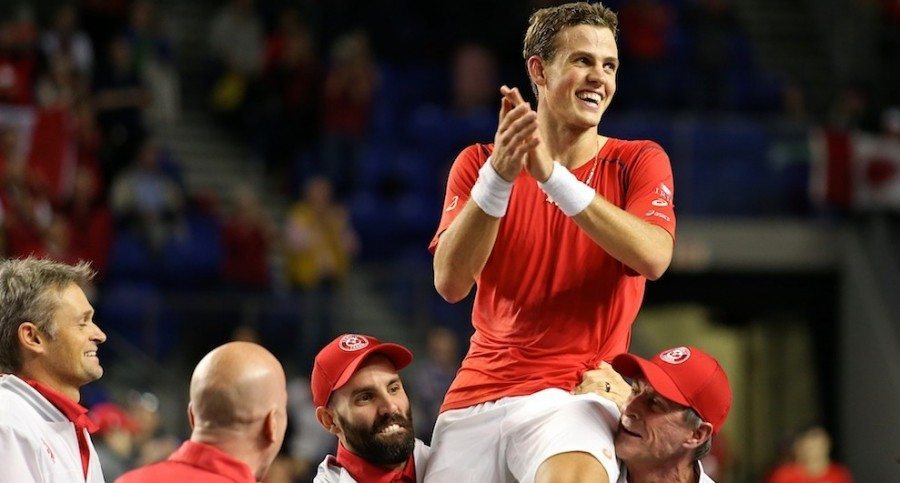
column 663, row 195
column 664, row 192
column 453, row 202
column 658, row 215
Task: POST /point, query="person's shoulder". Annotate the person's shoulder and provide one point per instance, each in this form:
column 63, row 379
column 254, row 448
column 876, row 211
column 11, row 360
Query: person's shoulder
column 329, row 471
column 477, row 152
column 633, row 148
column 164, row 470
column 13, row 402
column 140, row 475
column 421, row 450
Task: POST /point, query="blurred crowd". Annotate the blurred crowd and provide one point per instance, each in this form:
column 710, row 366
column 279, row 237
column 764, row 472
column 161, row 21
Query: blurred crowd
column 354, row 118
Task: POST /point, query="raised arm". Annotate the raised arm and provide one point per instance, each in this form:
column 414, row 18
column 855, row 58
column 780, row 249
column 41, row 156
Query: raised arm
column 466, row 244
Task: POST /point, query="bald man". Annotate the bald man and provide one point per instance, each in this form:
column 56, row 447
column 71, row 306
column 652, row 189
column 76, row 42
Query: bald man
column 238, row 412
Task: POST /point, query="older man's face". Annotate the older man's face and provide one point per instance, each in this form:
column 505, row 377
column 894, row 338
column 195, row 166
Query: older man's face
column 652, row 429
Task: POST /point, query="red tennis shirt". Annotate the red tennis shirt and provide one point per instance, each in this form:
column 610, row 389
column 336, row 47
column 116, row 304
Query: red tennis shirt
column 550, row 303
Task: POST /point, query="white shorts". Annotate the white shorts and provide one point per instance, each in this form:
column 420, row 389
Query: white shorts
column 507, row 440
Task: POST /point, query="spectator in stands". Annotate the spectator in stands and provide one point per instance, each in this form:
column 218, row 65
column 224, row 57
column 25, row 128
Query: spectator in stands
column 236, row 42
column 11, row 152
column 152, row 442
column 247, row 234
column 120, row 98
column 712, row 26
column 238, row 417
column 114, row 439
column 432, row 377
column 236, row 37
column 350, row 84
column 293, row 79
column 88, row 214
column 18, row 62
column 812, row 461
column 67, row 41
column 320, row 244
column 147, row 200
column 309, row 442
column 58, row 87
column 89, row 142
column 647, row 28
column 438, row 130
column 57, row 242
column 28, row 212
column 154, row 61
column 283, row 470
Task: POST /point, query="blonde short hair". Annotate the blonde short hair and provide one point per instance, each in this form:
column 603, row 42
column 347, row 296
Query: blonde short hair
column 27, row 289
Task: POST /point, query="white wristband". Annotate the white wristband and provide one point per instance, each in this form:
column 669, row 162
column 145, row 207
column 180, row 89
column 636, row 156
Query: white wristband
column 572, row 196
column 491, row 192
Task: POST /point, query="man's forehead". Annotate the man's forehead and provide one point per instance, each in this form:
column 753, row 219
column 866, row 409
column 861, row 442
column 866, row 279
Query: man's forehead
column 578, row 37
column 377, row 362
column 648, row 389
column 74, row 295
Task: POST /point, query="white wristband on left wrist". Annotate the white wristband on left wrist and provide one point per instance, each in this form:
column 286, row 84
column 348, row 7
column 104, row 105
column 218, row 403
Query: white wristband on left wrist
column 572, row 196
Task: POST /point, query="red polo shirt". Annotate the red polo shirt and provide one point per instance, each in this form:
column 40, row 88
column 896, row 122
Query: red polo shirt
column 365, row 472
column 73, row 412
column 194, row 462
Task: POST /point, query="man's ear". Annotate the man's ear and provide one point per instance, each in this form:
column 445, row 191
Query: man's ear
column 535, row 67
column 326, row 418
column 699, row 435
column 190, row 410
column 31, row 338
column 270, row 427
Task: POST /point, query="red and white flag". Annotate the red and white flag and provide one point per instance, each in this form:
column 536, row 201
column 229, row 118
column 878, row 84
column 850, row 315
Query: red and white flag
column 855, row 170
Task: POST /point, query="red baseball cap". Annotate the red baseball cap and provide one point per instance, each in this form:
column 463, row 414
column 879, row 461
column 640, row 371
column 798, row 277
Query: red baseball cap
column 337, row 362
column 109, row 416
column 686, row 375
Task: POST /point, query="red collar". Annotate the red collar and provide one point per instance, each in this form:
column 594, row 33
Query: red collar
column 71, row 410
column 211, row 459
column 365, row 472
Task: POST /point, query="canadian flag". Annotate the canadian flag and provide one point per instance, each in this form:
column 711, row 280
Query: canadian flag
column 855, row 170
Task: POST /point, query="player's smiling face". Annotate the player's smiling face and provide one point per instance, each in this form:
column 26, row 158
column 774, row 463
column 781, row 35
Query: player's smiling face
column 580, row 80
column 373, row 414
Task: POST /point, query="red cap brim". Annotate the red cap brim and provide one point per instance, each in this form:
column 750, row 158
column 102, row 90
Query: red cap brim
column 631, row 366
column 398, row 355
